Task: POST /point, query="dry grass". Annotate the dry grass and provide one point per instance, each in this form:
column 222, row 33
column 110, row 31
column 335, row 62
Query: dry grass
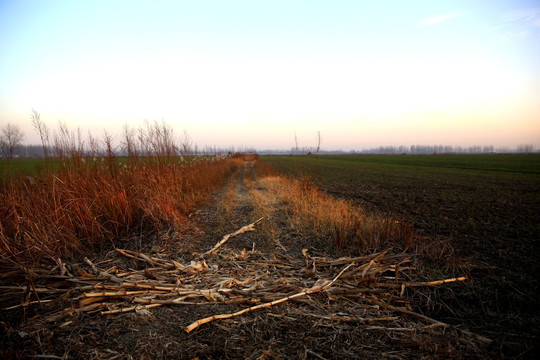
column 96, row 197
column 324, row 216
column 309, row 295
column 226, row 204
column 79, row 209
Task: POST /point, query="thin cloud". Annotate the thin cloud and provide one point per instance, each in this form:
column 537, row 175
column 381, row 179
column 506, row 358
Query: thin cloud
column 527, row 15
column 513, row 35
column 438, row 19
column 519, row 20
column 493, row 29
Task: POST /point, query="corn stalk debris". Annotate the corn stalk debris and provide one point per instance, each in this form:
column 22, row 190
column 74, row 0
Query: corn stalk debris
column 250, row 280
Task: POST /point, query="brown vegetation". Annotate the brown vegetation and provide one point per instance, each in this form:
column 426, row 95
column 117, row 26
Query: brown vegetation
column 324, row 216
column 282, row 287
column 83, row 208
column 93, row 200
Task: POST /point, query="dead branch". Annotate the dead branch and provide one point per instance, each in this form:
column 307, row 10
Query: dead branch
column 435, row 283
column 103, row 273
column 319, row 286
column 428, row 319
column 250, row 227
column 373, row 284
column 128, row 309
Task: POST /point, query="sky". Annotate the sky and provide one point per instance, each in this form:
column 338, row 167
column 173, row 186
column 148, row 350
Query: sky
column 255, row 73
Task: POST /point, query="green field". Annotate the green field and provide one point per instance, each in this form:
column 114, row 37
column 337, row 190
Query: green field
column 509, row 163
column 486, row 207
column 469, row 195
column 36, row 166
column 23, row 166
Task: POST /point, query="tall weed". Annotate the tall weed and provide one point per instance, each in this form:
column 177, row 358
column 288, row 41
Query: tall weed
column 93, row 200
column 311, row 210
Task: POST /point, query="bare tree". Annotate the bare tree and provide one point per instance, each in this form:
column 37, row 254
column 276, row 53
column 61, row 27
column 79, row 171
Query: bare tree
column 319, row 141
column 43, row 132
column 10, row 138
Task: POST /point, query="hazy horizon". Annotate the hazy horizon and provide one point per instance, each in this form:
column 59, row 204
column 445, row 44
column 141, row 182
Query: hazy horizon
column 254, row 74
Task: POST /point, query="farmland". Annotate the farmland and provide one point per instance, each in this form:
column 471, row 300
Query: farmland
column 21, row 166
column 482, row 210
column 288, row 257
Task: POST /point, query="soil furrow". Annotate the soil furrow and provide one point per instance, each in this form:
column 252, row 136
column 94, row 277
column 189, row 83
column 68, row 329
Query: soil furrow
column 353, row 318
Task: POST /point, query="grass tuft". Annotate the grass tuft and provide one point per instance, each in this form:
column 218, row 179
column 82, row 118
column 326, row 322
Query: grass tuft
column 324, row 216
column 98, row 198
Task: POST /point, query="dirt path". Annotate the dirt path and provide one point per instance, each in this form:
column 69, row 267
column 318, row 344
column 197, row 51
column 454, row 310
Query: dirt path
column 362, row 317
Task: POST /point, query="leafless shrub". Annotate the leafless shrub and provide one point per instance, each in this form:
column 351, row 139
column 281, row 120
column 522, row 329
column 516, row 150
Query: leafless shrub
column 11, row 137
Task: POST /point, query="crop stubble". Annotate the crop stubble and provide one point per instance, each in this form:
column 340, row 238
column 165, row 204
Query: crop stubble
column 478, row 214
column 325, row 303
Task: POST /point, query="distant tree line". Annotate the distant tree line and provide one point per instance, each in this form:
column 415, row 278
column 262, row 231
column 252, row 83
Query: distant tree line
column 446, row 149
column 37, row 150
column 132, row 140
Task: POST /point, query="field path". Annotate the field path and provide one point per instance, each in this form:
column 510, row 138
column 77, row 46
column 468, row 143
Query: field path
column 230, row 209
column 361, row 315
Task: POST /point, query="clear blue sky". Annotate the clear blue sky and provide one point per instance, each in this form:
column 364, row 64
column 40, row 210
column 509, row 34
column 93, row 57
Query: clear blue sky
column 252, row 73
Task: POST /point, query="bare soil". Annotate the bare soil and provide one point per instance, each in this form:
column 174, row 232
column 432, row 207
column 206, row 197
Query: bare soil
column 492, row 226
column 481, row 218
column 323, row 325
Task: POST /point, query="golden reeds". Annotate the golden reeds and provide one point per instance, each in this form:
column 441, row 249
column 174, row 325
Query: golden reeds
column 322, row 215
column 89, row 201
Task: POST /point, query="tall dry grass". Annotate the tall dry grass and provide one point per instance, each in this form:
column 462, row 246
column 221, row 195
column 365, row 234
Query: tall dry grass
column 310, row 210
column 96, row 197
